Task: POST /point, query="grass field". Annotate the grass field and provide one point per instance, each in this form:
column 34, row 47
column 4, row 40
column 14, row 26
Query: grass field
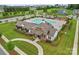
column 54, row 11
column 63, row 44
column 26, row 47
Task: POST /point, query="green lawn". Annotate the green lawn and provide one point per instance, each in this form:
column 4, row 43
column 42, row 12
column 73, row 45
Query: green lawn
column 12, row 14
column 63, row 44
column 26, row 47
column 78, row 39
column 8, row 29
column 54, row 11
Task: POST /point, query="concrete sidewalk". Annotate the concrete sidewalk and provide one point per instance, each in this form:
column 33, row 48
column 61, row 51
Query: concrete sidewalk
column 40, row 49
column 75, row 46
column 16, row 48
column 19, row 51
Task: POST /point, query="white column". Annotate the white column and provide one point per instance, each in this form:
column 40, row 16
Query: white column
column 47, row 36
column 29, row 31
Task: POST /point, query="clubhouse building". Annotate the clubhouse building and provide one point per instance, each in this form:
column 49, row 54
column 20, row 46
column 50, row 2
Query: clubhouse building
column 42, row 28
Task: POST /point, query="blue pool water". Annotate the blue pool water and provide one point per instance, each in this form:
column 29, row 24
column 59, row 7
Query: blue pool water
column 38, row 21
column 50, row 21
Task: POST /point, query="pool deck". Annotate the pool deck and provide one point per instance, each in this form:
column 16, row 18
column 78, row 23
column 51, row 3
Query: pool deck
column 56, row 23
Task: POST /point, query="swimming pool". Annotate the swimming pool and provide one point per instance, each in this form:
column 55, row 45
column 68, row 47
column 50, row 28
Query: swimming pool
column 39, row 21
column 50, row 21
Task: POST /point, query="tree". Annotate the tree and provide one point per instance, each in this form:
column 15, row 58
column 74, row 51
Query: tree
column 0, row 34
column 73, row 6
column 44, row 9
column 31, row 12
column 10, row 46
column 24, row 18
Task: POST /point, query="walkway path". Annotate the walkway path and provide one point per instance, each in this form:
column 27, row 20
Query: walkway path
column 19, row 51
column 40, row 50
column 36, row 40
column 75, row 46
column 16, row 48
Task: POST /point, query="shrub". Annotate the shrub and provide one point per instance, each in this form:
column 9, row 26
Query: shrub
column 0, row 34
column 48, row 41
column 10, row 46
column 24, row 18
column 69, row 25
column 63, row 27
column 0, row 21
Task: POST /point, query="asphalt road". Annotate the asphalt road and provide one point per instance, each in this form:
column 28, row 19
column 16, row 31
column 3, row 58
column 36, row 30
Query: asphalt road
column 11, row 19
column 2, row 52
column 14, row 18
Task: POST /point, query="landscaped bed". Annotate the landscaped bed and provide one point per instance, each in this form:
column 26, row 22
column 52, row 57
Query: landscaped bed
column 63, row 44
